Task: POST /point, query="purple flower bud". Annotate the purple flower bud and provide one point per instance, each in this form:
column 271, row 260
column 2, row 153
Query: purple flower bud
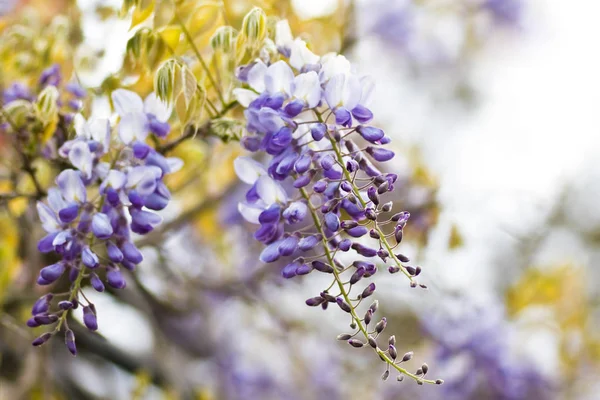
column 321, row 266
column 332, row 222
column 70, row 342
column 384, row 187
column 368, row 317
column 345, row 244
column 69, row 213
column 373, row 196
column 289, row 271
column 65, row 305
column 96, row 283
column 372, row 342
column 370, row 133
column 343, row 305
column 115, row 279
column 407, row 357
column 89, row 258
column 362, row 114
column 343, row 117
column 352, row 166
column 303, row 269
column 101, row 226
column 357, row 276
column 295, row 212
column 45, row 244
column 402, row 258
column 380, row 154
column 251, row 143
column 45, row 319
column 42, row 304
column 320, row 186
column 398, row 235
column 270, row 215
column 393, row 352
column 346, row 186
column 371, row 214
column 140, row 150
column 317, row 131
column 114, row 253
column 355, row 343
column 288, row 245
column 159, row 128
column 401, row 217
column 314, row 301
column 32, row 323
column 381, row 325
column 368, row 290
column 293, row 108
column 308, row 242
column 42, row 339
column 52, row 272
column 89, row 318
column 270, row 253
column 279, row 141
column 302, row 181
column 303, row 163
column 131, row 253
column 363, row 250
column 374, row 234
column 327, row 162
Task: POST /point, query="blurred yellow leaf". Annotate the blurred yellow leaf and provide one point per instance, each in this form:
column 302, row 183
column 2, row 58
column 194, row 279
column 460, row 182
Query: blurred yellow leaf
column 455, row 240
column 140, row 15
column 164, row 11
column 171, row 36
column 203, row 18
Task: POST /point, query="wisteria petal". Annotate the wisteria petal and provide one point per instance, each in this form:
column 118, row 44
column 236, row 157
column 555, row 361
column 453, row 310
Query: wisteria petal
column 48, row 217
column 250, row 212
column 125, row 102
column 300, row 55
column 133, row 126
column 244, row 96
column 270, row 191
column 248, row 170
column 278, row 78
column 71, row 186
column 256, row 76
column 81, row 158
column 155, row 106
column 307, row 88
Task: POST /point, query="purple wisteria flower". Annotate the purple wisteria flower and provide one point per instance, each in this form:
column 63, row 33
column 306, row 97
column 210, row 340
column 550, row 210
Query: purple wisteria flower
column 474, row 343
column 307, row 120
column 92, row 235
column 140, row 118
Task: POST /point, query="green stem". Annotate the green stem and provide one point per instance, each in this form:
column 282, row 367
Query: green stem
column 190, row 40
column 346, row 297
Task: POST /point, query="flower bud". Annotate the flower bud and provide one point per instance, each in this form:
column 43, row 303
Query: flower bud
column 314, row 301
column 368, row 316
column 387, row 207
column 381, row 325
column 392, row 351
column 89, row 318
column 70, row 342
column 373, row 307
column 425, row 368
column 372, row 342
column 407, row 357
column 321, row 266
column 42, row 339
column 385, row 375
column 368, row 291
column 344, row 336
column 343, row 305
column 355, row 343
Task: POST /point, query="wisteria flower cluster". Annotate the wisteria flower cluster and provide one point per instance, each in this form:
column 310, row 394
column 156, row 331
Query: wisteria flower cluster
column 109, row 192
column 308, row 116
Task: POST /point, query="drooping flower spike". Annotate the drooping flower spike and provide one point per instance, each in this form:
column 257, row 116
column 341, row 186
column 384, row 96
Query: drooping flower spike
column 307, row 117
column 92, row 235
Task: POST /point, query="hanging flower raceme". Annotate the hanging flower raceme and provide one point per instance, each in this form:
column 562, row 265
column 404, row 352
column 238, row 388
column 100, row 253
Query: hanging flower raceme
column 309, row 115
column 92, row 234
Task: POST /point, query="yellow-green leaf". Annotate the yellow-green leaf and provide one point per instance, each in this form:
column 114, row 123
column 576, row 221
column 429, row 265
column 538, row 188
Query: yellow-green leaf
column 164, row 11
